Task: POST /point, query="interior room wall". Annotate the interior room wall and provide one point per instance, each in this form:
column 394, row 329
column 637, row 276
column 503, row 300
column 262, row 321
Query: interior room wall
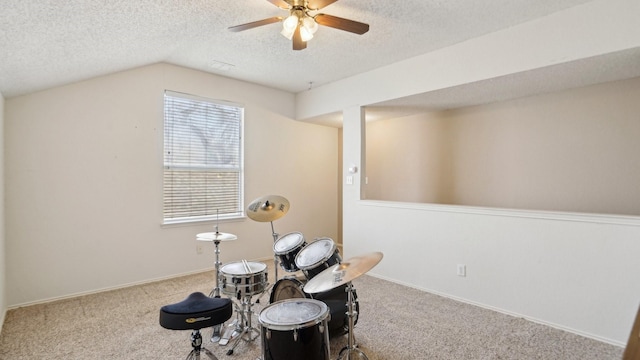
column 84, row 182
column 3, row 257
column 571, row 271
column 574, row 150
column 408, row 159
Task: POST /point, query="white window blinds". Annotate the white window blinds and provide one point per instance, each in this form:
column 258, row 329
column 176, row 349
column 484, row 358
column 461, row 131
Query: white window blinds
column 203, row 167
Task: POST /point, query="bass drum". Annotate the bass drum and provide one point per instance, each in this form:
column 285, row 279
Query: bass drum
column 335, row 299
column 288, row 288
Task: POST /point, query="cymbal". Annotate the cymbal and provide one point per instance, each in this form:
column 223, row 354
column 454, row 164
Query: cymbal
column 215, row 236
column 268, row 208
column 342, row 273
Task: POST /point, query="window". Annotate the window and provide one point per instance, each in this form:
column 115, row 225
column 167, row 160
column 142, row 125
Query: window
column 203, row 163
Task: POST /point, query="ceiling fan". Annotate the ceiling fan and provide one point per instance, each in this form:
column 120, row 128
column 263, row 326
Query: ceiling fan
column 300, row 25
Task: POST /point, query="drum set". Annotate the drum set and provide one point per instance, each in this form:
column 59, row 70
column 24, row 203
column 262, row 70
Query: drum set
column 314, row 302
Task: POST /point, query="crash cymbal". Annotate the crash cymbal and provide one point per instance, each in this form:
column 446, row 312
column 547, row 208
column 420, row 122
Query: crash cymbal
column 342, row 273
column 215, row 236
column 268, row 208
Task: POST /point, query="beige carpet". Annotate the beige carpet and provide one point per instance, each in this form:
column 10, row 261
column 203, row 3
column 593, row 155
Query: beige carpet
column 395, row 322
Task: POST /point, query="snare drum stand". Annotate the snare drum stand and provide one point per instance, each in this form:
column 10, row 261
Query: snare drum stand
column 244, row 327
column 351, row 347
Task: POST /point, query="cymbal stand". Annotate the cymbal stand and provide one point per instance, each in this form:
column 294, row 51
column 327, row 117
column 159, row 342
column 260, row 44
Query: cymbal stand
column 244, row 327
column 275, row 257
column 351, row 347
column 215, row 337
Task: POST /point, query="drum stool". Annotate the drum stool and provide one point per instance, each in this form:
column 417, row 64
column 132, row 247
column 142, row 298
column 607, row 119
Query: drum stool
column 195, row 312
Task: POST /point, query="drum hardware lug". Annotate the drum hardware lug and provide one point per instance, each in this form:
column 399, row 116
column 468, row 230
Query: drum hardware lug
column 321, row 329
column 295, row 334
column 268, row 334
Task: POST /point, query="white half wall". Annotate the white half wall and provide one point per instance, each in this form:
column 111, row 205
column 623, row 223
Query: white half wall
column 3, row 256
column 84, row 182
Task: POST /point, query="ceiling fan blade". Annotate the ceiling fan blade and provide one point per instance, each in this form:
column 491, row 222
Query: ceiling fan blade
column 342, row 24
column 319, row 4
column 298, row 44
column 280, row 3
column 251, row 25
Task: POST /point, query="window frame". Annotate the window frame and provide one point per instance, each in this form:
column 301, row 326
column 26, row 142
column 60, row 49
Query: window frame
column 214, row 216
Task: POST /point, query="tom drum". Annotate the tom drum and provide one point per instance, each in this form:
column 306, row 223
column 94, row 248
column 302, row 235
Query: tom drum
column 318, row 256
column 287, row 247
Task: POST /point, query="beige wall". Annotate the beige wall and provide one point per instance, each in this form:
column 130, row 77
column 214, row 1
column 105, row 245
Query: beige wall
column 408, row 159
column 571, row 151
column 84, row 182
column 3, row 260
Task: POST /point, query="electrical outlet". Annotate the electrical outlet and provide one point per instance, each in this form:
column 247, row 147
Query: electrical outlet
column 199, row 249
column 349, row 180
column 462, row 270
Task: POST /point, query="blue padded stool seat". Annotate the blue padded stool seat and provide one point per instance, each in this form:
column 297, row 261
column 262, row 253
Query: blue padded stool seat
column 195, row 312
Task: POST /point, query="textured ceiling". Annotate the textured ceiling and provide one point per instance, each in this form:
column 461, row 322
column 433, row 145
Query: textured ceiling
column 46, row 43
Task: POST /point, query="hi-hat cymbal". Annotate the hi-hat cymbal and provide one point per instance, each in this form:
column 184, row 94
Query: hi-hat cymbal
column 342, row 273
column 215, row 236
column 268, row 208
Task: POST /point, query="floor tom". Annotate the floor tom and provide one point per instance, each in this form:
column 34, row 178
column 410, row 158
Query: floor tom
column 295, row 329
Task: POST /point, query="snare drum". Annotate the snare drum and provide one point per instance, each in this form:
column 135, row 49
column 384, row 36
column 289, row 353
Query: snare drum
column 287, row 247
column 243, row 278
column 318, row 256
column 295, row 329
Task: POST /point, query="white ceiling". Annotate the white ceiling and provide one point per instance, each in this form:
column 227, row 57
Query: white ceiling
column 46, row 43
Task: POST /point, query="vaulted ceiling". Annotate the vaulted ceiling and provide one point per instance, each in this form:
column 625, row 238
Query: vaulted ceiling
column 46, row 43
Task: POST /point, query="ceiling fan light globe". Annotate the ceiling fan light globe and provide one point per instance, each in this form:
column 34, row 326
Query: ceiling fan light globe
column 287, row 33
column 305, row 34
column 310, row 24
column 290, row 23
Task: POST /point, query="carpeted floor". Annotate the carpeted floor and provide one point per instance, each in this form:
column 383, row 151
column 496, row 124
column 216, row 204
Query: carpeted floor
column 395, row 322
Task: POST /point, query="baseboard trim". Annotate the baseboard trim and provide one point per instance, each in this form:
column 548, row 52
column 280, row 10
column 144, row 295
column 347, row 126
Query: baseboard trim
column 3, row 316
column 117, row 287
column 506, row 312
